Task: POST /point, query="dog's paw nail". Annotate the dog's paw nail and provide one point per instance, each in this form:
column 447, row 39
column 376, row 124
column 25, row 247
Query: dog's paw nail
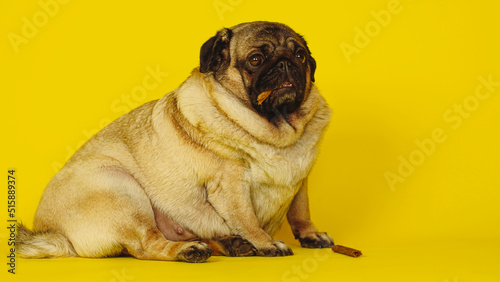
column 316, row 240
column 276, row 249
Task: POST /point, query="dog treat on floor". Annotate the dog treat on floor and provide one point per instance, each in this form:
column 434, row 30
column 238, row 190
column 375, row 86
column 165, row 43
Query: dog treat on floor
column 263, row 96
column 346, row 251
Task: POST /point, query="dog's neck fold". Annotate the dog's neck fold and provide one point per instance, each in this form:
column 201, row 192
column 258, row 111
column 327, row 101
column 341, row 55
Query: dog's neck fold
column 217, row 105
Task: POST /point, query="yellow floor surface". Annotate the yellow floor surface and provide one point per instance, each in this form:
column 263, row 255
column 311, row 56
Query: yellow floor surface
column 432, row 260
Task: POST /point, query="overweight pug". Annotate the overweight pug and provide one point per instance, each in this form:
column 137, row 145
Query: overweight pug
column 214, row 166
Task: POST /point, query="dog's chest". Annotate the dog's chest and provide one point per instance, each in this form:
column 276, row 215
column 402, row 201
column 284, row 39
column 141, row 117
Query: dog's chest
column 276, row 176
column 281, row 167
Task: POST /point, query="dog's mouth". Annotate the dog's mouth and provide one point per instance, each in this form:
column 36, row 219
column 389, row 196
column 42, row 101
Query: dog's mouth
column 284, row 87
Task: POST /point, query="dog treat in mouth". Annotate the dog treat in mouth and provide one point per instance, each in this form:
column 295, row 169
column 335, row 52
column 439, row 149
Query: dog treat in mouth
column 346, row 251
column 263, row 96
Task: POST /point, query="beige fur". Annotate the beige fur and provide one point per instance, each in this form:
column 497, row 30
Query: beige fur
column 201, row 161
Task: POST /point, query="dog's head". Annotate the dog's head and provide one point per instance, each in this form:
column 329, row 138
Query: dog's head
column 266, row 65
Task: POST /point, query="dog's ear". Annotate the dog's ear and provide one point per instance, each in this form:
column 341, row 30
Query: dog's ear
column 311, row 61
column 215, row 52
column 312, row 66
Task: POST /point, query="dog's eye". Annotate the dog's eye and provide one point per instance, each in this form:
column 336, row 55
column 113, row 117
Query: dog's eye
column 256, row 60
column 301, row 55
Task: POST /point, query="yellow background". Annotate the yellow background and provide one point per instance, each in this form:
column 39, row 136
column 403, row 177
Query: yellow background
column 440, row 224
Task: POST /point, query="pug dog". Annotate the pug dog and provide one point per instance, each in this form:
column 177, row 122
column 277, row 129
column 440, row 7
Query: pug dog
column 212, row 168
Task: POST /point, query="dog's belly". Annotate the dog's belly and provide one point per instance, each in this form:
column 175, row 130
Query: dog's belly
column 171, row 229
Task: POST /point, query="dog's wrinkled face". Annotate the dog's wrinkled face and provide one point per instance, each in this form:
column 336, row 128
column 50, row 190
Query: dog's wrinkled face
column 267, row 65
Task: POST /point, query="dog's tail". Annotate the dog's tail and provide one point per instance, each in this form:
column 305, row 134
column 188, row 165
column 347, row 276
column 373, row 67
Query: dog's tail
column 49, row 244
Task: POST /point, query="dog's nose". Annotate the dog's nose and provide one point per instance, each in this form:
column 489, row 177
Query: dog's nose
column 284, row 65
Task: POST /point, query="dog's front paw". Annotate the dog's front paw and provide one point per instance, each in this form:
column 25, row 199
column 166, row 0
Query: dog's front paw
column 315, row 240
column 276, row 249
column 195, row 252
column 235, row 246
